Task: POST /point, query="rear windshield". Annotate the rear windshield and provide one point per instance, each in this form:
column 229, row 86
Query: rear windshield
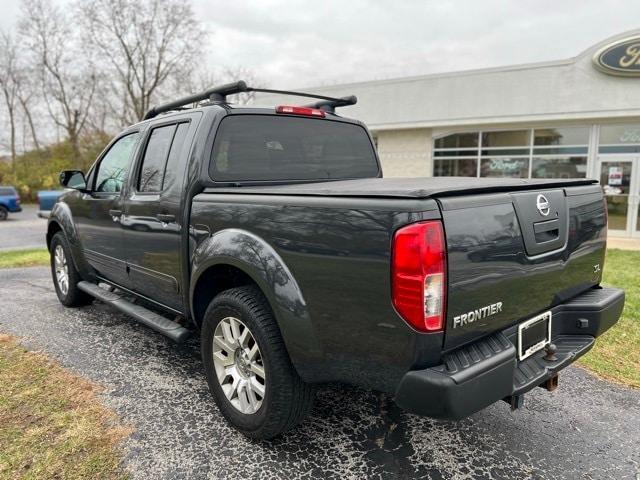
column 270, row 147
column 7, row 191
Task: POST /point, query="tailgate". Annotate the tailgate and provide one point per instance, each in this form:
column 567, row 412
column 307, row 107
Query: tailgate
column 513, row 255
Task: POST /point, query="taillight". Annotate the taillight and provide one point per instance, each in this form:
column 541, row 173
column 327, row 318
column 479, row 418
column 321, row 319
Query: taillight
column 310, row 112
column 418, row 275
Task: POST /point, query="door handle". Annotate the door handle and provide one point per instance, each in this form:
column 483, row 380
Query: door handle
column 166, row 218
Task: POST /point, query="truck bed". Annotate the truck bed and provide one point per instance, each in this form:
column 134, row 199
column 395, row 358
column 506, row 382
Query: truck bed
column 424, row 187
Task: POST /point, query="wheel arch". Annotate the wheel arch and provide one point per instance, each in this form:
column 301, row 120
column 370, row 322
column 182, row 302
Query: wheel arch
column 61, row 220
column 236, row 257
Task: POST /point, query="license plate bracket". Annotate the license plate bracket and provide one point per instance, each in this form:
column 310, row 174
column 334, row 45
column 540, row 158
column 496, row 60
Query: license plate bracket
column 534, row 335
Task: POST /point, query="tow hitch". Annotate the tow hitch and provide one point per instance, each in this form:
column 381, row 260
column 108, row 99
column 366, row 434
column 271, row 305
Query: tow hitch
column 550, row 383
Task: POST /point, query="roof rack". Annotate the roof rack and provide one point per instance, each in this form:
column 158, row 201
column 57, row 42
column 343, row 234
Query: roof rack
column 219, row 95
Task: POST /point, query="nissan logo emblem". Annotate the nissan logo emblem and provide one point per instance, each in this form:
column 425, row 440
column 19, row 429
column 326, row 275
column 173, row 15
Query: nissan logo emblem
column 543, row 205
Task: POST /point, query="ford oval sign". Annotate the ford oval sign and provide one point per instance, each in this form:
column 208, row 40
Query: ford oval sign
column 620, row 58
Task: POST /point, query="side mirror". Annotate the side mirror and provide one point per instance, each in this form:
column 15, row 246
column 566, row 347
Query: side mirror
column 73, row 179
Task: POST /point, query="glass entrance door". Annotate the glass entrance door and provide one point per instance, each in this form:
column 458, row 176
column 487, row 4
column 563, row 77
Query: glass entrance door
column 620, row 184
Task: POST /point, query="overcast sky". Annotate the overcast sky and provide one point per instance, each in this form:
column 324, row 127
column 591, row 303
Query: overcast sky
column 311, row 42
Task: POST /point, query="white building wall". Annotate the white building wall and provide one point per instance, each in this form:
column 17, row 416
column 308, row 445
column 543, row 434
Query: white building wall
column 405, row 153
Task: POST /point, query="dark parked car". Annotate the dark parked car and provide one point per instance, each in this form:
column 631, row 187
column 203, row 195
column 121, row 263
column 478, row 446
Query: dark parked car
column 271, row 233
column 9, row 202
column 46, row 201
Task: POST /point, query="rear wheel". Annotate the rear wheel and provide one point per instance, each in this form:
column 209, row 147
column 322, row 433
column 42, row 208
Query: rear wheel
column 249, row 372
column 65, row 276
column 4, row 213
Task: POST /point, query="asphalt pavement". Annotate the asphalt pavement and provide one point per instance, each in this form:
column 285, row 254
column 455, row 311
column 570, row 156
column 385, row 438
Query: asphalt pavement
column 587, row 429
column 23, row 230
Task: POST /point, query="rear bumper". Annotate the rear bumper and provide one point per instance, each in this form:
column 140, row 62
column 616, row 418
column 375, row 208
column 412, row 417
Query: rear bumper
column 479, row 374
column 44, row 213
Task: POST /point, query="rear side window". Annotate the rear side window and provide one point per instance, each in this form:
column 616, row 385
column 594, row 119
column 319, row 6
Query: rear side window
column 269, row 147
column 155, row 159
column 7, row 192
column 160, row 157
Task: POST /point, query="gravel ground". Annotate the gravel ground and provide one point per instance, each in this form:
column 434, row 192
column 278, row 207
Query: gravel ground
column 23, row 230
column 587, row 429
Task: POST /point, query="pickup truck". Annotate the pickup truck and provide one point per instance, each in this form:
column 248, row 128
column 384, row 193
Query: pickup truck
column 9, row 202
column 46, row 201
column 272, row 234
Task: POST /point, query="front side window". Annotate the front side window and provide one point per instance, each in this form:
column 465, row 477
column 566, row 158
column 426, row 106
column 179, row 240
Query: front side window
column 268, row 147
column 114, row 166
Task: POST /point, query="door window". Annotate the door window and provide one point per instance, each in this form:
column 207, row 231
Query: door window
column 113, row 168
column 160, row 157
column 155, row 159
column 170, row 172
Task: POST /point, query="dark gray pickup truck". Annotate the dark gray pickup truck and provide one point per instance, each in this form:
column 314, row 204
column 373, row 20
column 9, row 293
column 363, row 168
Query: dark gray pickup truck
column 271, row 232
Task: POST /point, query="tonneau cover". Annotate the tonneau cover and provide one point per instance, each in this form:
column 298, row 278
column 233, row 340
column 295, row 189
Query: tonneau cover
column 404, row 187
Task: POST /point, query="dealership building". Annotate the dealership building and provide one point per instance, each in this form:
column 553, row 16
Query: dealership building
column 578, row 117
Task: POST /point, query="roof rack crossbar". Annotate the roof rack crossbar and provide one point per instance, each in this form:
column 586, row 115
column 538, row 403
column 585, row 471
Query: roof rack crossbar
column 331, row 105
column 219, row 95
column 215, row 94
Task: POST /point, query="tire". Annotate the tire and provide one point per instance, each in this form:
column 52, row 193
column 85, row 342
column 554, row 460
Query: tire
column 286, row 399
column 4, row 213
column 69, row 295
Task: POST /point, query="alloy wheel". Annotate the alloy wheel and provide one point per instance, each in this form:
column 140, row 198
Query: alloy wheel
column 62, row 269
column 239, row 366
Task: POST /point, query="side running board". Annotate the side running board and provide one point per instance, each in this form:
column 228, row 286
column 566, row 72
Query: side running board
column 160, row 324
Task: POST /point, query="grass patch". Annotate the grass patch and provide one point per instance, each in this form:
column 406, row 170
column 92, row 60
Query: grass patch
column 24, row 258
column 616, row 355
column 52, row 424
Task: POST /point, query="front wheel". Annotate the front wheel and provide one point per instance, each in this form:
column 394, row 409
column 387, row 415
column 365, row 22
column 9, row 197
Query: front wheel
column 65, row 276
column 248, row 369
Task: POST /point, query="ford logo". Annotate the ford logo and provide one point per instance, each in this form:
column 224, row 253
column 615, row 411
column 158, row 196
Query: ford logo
column 620, row 58
column 543, row 205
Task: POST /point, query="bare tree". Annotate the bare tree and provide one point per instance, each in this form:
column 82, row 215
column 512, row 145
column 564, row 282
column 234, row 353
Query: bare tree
column 68, row 82
column 8, row 66
column 233, row 74
column 204, row 78
column 143, row 44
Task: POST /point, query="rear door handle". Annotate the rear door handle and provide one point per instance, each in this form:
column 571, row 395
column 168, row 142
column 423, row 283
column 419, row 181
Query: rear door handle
column 166, row 218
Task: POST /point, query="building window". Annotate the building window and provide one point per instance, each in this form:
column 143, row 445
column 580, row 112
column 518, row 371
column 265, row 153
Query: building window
column 559, row 167
column 539, row 153
column 504, row 167
column 458, row 140
column 457, row 167
column 561, row 136
column 619, row 139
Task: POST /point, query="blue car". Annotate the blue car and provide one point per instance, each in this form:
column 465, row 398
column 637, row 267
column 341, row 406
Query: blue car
column 46, row 200
column 9, row 202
